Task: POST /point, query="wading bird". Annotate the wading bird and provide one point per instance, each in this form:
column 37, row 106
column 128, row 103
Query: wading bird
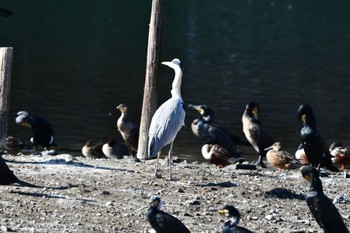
column 231, row 225
column 314, row 145
column 128, row 130
column 255, row 132
column 321, row 207
column 281, row 159
column 161, row 221
column 168, row 119
column 42, row 130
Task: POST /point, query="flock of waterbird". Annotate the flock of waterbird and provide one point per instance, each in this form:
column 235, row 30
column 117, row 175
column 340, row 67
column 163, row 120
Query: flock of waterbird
column 220, row 148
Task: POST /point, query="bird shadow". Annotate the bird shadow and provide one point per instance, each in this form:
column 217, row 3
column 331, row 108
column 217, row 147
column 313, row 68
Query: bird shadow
column 225, row 184
column 71, row 163
column 282, row 193
column 48, row 196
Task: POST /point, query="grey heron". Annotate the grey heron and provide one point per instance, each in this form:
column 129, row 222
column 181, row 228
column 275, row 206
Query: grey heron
column 168, row 119
column 315, row 146
column 162, row 221
column 255, row 132
column 128, row 130
column 42, row 129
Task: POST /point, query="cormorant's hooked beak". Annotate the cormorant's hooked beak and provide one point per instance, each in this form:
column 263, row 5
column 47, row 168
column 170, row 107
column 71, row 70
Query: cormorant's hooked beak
column 268, row 148
column 224, row 212
column 25, row 123
column 196, row 107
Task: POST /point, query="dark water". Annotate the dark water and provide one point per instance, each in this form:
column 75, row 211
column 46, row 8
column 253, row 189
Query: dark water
column 75, row 61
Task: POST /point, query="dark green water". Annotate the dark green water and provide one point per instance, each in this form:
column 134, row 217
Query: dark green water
column 75, row 61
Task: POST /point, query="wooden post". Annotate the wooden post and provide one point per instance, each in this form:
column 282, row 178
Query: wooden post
column 149, row 96
column 5, row 80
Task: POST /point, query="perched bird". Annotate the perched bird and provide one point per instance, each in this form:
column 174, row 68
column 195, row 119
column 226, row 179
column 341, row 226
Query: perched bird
column 204, row 128
column 314, row 145
column 168, row 119
column 281, row 159
column 42, row 130
column 92, row 150
column 14, row 146
column 301, row 156
column 341, row 155
column 114, row 150
column 321, row 207
column 219, row 155
column 161, row 221
column 255, row 132
column 128, row 130
column 231, row 225
column 7, row 177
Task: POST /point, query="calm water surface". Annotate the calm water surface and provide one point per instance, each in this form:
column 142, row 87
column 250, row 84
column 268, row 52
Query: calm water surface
column 74, row 62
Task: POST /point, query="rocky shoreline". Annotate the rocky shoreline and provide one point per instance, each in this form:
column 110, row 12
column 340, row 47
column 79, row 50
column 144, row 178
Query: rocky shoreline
column 77, row 194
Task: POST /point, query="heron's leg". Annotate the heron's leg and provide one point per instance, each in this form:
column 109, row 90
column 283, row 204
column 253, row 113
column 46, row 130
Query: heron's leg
column 170, row 159
column 157, row 165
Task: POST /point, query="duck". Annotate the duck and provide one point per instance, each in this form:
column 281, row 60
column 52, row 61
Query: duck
column 315, row 146
column 256, row 133
column 92, row 150
column 281, row 159
column 341, row 155
column 161, row 221
column 205, row 129
column 219, row 155
column 128, row 130
column 114, row 150
column 301, row 156
column 320, row 206
column 43, row 133
column 14, row 145
column 231, row 225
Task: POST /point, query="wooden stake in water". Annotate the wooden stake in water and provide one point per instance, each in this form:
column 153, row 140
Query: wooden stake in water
column 5, row 80
column 149, row 95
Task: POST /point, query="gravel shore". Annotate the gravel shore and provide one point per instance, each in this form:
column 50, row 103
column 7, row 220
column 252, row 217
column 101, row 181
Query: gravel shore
column 77, row 194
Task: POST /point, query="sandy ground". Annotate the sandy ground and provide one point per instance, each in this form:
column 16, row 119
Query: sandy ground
column 85, row 195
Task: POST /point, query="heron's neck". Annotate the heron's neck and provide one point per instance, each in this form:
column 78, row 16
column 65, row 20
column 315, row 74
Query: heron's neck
column 176, row 87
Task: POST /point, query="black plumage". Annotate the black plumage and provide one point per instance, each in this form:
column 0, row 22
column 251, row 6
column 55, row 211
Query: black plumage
column 161, row 221
column 7, row 177
column 315, row 146
column 128, row 130
column 321, row 207
column 205, row 128
column 255, row 132
column 43, row 133
column 231, row 225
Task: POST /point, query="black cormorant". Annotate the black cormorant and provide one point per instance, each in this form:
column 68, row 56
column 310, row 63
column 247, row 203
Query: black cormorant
column 258, row 136
column 231, row 225
column 205, row 129
column 128, row 130
column 42, row 130
column 161, row 221
column 321, row 207
column 314, row 145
